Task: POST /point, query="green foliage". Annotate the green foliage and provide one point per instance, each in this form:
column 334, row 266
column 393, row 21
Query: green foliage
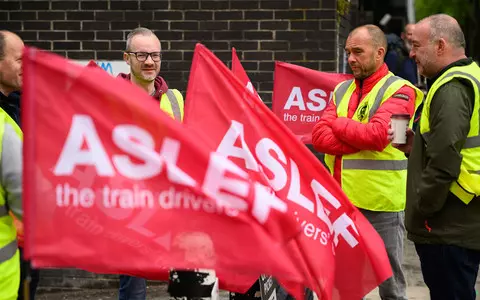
column 343, row 8
column 459, row 9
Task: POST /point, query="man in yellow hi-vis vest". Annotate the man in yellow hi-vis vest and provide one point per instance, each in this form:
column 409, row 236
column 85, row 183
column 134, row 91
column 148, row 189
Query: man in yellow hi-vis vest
column 443, row 185
column 144, row 56
column 11, row 47
column 352, row 133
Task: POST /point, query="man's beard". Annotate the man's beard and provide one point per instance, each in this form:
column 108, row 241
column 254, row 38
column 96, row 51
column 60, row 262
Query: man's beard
column 139, row 75
column 408, row 46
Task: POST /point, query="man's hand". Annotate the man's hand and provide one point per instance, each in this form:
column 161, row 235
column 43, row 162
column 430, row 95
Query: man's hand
column 407, row 147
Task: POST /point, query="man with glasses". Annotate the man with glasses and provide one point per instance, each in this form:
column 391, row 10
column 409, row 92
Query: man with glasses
column 143, row 55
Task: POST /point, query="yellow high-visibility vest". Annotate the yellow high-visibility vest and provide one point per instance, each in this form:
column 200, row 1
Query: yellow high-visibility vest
column 9, row 254
column 373, row 180
column 467, row 186
column 172, row 103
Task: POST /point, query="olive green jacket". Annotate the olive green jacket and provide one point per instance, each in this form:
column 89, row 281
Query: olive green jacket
column 433, row 215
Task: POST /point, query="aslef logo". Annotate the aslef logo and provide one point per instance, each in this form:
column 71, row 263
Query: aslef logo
column 113, row 67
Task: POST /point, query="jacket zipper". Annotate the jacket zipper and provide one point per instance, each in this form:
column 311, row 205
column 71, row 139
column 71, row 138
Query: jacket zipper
column 360, row 94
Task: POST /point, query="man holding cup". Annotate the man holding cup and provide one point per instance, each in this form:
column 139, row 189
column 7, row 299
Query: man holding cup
column 352, row 132
column 443, row 186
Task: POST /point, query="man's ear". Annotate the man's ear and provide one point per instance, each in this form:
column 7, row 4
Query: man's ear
column 380, row 53
column 441, row 46
column 126, row 58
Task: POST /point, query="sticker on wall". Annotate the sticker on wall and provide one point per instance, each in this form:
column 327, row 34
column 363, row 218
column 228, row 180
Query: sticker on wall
column 113, row 67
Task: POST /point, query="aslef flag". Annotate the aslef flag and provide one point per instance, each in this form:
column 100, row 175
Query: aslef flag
column 300, row 95
column 296, row 289
column 340, row 253
column 114, row 185
column 240, row 73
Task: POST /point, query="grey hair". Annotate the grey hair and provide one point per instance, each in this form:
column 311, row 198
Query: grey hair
column 137, row 31
column 445, row 26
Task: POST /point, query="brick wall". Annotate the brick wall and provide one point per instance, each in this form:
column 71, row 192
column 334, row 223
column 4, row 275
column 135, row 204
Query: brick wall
column 297, row 31
column 345, row 24
column 302, row 32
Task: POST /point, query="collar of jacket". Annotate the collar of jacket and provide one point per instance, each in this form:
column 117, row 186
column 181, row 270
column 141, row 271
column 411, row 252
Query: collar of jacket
column 161, row 86
column 458, row 63
column 11, row 105
column 13, row 99
column 368, row 83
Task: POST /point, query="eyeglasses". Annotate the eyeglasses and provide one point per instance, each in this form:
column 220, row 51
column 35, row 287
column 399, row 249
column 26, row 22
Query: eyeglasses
column 143, row 56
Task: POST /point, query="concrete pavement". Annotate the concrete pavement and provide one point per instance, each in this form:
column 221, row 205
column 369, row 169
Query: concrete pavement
column 416, row 288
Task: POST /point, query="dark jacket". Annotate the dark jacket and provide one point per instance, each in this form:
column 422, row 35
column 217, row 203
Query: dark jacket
column 398, row 60
column 11, row 105
column 433, row 215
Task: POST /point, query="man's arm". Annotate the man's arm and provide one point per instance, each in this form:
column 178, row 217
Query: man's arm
column 11, row 170
column 450, row 113
column 324, row 140
column 373, row 135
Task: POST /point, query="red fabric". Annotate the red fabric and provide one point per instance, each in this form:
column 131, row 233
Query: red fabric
column 339, row 136
column 240, row 73
column 300, row 96
column 337, row 263
column 295, row 289
column 88, row 186
column 161, row 86
column 93, row 64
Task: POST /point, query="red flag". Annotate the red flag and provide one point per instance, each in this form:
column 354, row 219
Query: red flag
column 300, row 95
column 240, row 73
column 296, row 289
column 340, row 253
column 93, row 64
column 114, row 185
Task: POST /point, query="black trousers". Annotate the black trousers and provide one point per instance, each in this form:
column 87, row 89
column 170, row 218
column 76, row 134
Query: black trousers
column 25, row 268
column 450, row 272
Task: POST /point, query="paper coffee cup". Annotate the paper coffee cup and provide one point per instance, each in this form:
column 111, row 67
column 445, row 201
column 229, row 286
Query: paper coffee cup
column 399, row 127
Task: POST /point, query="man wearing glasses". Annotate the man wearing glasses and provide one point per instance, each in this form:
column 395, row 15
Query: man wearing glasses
column 143, row 55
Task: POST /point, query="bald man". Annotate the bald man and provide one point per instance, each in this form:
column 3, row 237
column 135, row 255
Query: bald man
column 11, row 47
column 443, row 187
column 353, row 133
column 407, row 35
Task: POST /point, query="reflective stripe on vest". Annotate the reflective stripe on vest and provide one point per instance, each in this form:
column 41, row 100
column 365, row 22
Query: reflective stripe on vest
column 466, row 187
column 373, row 180
column 381, row 92
column 174, row 103
column 8, row 251
column 341, row 90
column 370, row 164
column 3, row 211
column 8, row 242
column 473, row 141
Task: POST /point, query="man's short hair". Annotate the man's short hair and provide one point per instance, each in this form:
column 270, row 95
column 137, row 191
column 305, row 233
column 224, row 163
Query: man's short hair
column 2, row 45
column 378, row 37
column 445, row 26
column 137, row 31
